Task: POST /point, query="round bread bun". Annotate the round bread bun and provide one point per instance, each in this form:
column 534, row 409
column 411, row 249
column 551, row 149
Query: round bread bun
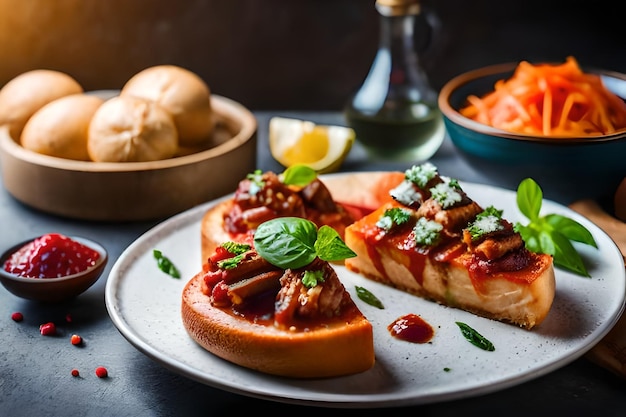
column 21, row 97
column 181, row 92
column 343, row 347
column 60, row 127
column 131, row 129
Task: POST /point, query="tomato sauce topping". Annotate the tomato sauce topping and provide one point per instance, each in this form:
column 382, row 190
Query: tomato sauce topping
column 52, row 255
column 411, row 328
column 398, row 244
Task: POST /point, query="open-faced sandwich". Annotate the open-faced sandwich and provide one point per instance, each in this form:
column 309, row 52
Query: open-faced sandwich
column 434, row 241
column 262, row 196
column 278, row 306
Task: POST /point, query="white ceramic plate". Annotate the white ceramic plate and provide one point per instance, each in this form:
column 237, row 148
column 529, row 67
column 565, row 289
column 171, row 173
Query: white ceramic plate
column 144, row 304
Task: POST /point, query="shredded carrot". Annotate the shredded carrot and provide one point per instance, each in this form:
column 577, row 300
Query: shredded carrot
column 550, row 100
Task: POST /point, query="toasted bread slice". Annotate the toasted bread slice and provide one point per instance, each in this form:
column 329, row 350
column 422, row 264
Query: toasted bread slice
column 495, row 277
column 343, row 346
column 268, row 319
column 264, row 198
column 212, row 230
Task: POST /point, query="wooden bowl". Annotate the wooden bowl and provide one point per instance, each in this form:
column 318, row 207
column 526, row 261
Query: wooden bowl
column 53, row 290
column 134, row 191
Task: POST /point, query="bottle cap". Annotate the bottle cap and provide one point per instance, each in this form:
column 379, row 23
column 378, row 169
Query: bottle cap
column 398, row 7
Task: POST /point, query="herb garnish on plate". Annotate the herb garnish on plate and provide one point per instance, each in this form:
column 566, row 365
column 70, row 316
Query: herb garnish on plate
column 165, row 264
column 551, row 234
column 294, row 242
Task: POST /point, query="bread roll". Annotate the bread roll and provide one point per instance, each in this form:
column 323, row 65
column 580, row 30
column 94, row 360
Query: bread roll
column 21, row 97
column 60, row 127
column 131, row 129
column 181, row 92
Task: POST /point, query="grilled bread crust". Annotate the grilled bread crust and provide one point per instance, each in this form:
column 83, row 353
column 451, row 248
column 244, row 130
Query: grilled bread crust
column 343, row 346
column 212, row 232
column 514, row 301
column 523, row 297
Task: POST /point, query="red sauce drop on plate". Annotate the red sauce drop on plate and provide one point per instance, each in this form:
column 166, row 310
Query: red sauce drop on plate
column 411, row 328
column 51, row 256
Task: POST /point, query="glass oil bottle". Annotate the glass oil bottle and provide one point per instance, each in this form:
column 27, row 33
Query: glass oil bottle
column 395, row 113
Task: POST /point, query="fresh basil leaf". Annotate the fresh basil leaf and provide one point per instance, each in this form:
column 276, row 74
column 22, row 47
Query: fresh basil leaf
column 546, row 242
column 299, row 175
column 529, row 198
column 571, row 229
column 368, row 297
column 525, row 231
column 286, row 242
column 566, row 256
column 475, row 338
column 294, row 242
column 165, row 264
column 329, row 246
column 551, row 234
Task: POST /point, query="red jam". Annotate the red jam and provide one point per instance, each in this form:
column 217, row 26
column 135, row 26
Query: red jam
column 51, row 256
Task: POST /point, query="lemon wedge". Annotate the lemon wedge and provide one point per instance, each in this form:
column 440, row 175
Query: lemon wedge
column 302, row 142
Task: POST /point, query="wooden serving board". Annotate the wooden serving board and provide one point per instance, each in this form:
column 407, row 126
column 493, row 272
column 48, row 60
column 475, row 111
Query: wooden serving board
column 610, row 352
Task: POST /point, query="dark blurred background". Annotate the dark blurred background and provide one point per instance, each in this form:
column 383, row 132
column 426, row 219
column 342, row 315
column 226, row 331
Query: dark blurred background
column 291, row 55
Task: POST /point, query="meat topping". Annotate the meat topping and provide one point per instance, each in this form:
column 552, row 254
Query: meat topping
column 295, row 302
column 263, row 197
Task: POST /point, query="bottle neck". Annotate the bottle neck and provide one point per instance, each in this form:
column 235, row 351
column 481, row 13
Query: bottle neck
column 396, row 38
column 397, row 48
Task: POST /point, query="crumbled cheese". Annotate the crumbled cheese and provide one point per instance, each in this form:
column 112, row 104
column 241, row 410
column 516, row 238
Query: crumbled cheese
column 427, row 232
column 446, row 194
column 384, row 222
column 406, row 193
column 488, row 224
column 393, row 217
column 421, row 174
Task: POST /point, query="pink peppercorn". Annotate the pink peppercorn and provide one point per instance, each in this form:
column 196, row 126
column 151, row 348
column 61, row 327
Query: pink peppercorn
column 101, row 372
column 48, row 329
column 17, row 316
column 76, row 340
column 75, row 372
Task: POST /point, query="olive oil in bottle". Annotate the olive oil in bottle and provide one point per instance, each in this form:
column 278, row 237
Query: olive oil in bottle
column 395, row 113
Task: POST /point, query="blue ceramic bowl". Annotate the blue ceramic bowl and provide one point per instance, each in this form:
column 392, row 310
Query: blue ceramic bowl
column 567, row 169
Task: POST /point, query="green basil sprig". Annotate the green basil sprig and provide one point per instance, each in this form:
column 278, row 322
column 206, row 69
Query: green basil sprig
column 367, row 296
column 475, row 338
column 553, row 233
column 299, row 175
column 294, row 242
column 165, row 265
